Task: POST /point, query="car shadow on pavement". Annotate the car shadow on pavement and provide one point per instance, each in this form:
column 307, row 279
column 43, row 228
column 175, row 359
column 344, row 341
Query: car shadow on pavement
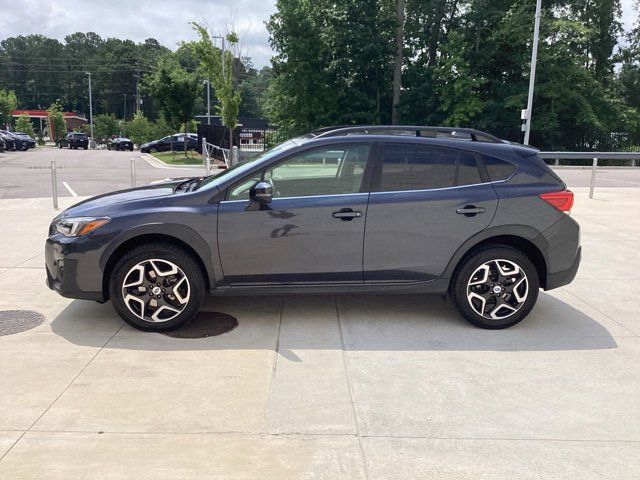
column 349, row 322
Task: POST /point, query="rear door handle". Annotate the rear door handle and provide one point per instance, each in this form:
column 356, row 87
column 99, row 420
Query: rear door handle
column 469, row 210
column 346, row 214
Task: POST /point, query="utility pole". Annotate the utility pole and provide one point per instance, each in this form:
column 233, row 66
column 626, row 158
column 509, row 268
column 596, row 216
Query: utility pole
column 532, row 74
column 90, row 107
column 124, row 108
column 208, row 101
column 138, row 91
column 397, row 61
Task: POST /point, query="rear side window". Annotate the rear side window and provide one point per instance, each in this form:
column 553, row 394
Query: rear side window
column 498, row 169
column 414, row 167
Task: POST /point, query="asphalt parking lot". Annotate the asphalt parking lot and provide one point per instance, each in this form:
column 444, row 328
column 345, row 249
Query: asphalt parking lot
column 80, row 172
column 348, row 387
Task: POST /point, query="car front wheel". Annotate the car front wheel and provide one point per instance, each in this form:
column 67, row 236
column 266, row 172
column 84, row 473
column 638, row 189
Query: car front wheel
column 495, row 287
column 157, row 287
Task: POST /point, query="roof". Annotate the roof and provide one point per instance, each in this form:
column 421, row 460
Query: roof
column 452, row 133
column 45, row 114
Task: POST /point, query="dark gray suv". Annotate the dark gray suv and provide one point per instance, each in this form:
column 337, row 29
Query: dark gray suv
column 345, row 209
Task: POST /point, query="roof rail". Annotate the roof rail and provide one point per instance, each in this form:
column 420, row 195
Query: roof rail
column 408, row 130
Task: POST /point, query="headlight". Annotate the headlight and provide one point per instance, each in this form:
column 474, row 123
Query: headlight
column 74, row 227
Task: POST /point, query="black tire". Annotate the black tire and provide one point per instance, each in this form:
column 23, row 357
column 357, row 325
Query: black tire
column 86, row 147
column 169, row 253
column 462, row 277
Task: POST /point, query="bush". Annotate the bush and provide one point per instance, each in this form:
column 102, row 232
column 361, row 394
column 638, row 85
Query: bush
column 104, row 126
column 139, row 129
column 56, row 122
column 23, row 124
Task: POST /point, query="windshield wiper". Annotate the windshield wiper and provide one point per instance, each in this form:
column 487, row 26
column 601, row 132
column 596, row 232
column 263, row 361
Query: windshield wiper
column 188, row 185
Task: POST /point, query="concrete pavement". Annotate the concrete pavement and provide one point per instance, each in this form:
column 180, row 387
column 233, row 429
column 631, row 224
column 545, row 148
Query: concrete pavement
column 349, row 387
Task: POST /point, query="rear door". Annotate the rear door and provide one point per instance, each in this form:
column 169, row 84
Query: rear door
column 425, row 202
column 311, row 232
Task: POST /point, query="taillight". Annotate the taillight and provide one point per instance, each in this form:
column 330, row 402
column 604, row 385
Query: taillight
column 562, row 201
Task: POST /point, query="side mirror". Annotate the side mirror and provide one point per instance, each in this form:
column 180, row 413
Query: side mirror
column 262, row 193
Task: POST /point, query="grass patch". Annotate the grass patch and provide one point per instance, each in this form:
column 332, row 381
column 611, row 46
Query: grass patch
column 179, row 158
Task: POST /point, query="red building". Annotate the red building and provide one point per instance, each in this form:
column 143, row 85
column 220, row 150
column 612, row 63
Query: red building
column 73, row 120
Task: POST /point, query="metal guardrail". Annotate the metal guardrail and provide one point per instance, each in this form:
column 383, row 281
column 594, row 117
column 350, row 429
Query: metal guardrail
column 594, row 157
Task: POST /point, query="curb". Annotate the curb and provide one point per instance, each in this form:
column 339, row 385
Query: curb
column 157, row 163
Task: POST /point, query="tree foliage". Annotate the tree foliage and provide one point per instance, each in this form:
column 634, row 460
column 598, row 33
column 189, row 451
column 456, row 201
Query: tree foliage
column 104, row 126
column 175, row 90
column 24, row 125
column 57, row 125
column 8, row 103
column 466, row 63
column 219, row 68
column 332, row 62
column 139, row 129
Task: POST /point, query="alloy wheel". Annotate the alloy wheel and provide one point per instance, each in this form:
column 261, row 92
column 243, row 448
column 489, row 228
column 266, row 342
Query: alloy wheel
column 497, row 289
column 156, row 290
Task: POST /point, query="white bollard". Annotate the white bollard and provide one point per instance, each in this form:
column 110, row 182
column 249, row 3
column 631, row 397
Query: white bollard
column 235, row 156
column 133, row 172
column 54, row 184
column 593, row 177
column 205, row 158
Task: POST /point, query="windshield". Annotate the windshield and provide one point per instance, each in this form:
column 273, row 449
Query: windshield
column 247, row 164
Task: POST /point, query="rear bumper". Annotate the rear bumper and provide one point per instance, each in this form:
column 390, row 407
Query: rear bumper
column 558, row 279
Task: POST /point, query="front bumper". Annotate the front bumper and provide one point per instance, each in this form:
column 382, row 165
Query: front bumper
column 72, row 272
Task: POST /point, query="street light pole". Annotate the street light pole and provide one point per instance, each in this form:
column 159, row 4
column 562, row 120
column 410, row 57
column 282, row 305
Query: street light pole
column 90, row 107
column 532, row 74
column 208, row 101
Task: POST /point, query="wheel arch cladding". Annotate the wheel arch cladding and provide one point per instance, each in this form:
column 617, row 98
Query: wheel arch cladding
column 197, row 249
column 525, row 245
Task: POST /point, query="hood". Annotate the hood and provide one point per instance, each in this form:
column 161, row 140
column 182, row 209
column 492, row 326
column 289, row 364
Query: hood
column 121, row 200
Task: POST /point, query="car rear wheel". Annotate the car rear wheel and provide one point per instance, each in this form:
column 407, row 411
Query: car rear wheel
column 495, row 287
column 157, row 287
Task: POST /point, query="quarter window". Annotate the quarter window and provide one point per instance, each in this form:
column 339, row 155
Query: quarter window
column 498, row 169
column 414, row 167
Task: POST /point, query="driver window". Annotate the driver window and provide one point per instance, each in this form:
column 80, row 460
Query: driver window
column 332, row 170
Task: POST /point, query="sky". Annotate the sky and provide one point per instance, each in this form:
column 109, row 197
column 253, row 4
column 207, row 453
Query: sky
column 165, row 20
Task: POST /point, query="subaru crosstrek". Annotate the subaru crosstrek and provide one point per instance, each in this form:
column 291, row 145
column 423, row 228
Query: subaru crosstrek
column 455, row 212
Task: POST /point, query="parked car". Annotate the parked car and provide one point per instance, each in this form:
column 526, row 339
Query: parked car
column 28, row 140
column 75, row 140
column 350, row 209
column 10, row 142
column 120, row 143
column 171, row 142
column 1, row 145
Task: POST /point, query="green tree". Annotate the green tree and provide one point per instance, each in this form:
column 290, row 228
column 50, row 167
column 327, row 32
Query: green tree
column 104, row 126
column 220, row 71
column 23, row 124
column 139, row 129
column 176, row 91
column 57, row 125
column 333, row 62
column 8, row 103
column 253, row 90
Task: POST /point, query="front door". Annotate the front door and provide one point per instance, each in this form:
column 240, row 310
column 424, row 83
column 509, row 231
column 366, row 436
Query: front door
column 426, row 201
column 311, row 232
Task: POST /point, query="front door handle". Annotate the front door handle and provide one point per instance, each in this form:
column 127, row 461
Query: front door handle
column 346, row 214
column 469, row 210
